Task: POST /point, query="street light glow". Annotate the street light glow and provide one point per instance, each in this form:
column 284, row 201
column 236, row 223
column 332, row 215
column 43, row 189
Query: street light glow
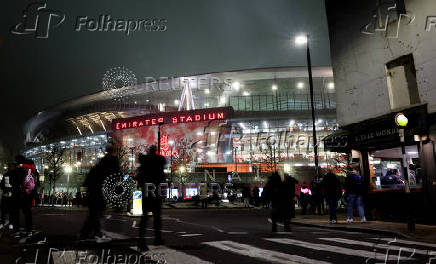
column 300, row 40
column 236, row 86
column 176, row 102
column 331, row 85
column 300, row 85
column 245, row 93
column 274, row 87
column 68, row 169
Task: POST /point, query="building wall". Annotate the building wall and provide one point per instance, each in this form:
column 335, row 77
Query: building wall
column 359, row 59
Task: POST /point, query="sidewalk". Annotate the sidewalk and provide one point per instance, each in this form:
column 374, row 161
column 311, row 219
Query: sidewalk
column 424, row 233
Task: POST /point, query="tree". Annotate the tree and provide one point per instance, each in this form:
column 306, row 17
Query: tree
column 55, row 160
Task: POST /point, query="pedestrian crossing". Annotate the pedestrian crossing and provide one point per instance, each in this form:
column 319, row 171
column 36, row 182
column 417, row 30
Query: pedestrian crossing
column 269, row 256
column 289, row 250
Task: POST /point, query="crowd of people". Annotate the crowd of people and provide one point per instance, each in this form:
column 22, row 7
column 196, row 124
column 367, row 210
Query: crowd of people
column 20, row 182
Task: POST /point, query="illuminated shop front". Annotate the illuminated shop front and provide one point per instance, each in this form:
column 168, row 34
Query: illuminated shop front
column 376, row 146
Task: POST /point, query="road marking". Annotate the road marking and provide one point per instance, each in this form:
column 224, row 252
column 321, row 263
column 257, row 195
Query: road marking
column 218, row 229
column 402, row 241
column 134, row 224
column 163, row 231
column 115, row 235
column 374, row 245
column 108, row 217
column 172, row 256
column 237, row 233
column 263, row 254
column 191, row 235
column 333, row 249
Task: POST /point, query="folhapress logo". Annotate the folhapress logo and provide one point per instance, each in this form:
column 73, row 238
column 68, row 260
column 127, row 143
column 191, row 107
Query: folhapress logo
column 38, row 20
column 386, row 18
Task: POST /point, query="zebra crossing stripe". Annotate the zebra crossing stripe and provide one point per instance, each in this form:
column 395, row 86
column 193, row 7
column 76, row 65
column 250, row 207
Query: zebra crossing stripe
column 191, row 235
column 333, row 249
column 374, row 245
column 237, row 233
column 263, row 254
column 407, row 242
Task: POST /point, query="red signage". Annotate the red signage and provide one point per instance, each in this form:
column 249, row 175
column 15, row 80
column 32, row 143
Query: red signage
column 173, row 118
column 165, row 147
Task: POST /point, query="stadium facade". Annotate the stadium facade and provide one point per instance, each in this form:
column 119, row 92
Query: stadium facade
column 229, row 126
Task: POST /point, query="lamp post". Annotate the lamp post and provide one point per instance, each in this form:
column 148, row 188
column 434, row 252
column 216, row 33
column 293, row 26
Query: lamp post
column 401, row 121
column 301, row 40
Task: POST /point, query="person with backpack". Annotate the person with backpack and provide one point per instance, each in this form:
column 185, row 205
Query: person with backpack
column 23, row 184
column 354, row 190
column 106, row 167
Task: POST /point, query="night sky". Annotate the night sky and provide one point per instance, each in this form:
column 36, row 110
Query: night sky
column 201, row 36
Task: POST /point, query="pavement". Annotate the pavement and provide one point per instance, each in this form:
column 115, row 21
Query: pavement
column 423, row 233
column 208, row 236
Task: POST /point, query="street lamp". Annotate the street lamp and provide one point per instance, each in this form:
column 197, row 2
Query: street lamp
column 68, row 170
column 301, row 40
column 402, row 121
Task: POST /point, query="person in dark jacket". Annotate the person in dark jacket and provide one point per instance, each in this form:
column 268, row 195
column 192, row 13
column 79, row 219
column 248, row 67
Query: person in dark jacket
column 354, row 190
column 151, row 171
column 107, row 166
column 280, row 190
column 20, row 199
column 332, row 189
column 6, row 201
column 256, row 196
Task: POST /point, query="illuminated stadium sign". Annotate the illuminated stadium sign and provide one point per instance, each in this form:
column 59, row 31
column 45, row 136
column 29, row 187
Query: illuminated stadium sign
column 174, row 118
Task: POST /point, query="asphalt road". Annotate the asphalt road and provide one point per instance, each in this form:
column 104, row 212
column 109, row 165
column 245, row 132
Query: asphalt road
column 203, row 236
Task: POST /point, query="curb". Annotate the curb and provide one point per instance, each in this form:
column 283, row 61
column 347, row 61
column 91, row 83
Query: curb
column 355, row 229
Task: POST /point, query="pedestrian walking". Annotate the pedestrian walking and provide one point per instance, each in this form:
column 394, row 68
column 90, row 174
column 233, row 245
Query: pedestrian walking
column 78, row 199
column 304, row 198
column 246, row 196
column 151, row 172
column 332, row 189
column 280, row 189
column 203, row 195
column 6, row 198
column 354, row 190
column 22, row 186
column 107, row 166
column 256, row 197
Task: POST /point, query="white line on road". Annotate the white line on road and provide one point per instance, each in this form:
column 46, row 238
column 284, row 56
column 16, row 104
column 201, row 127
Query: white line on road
column 134, row 224
column 115, row 235
column 218, row 229
column 173, row 256
column 263, row 254
column 402, row 241
column 191, row 235
column 333, row 249
column 237, row 233
column 108, row 217
column 374, row 245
